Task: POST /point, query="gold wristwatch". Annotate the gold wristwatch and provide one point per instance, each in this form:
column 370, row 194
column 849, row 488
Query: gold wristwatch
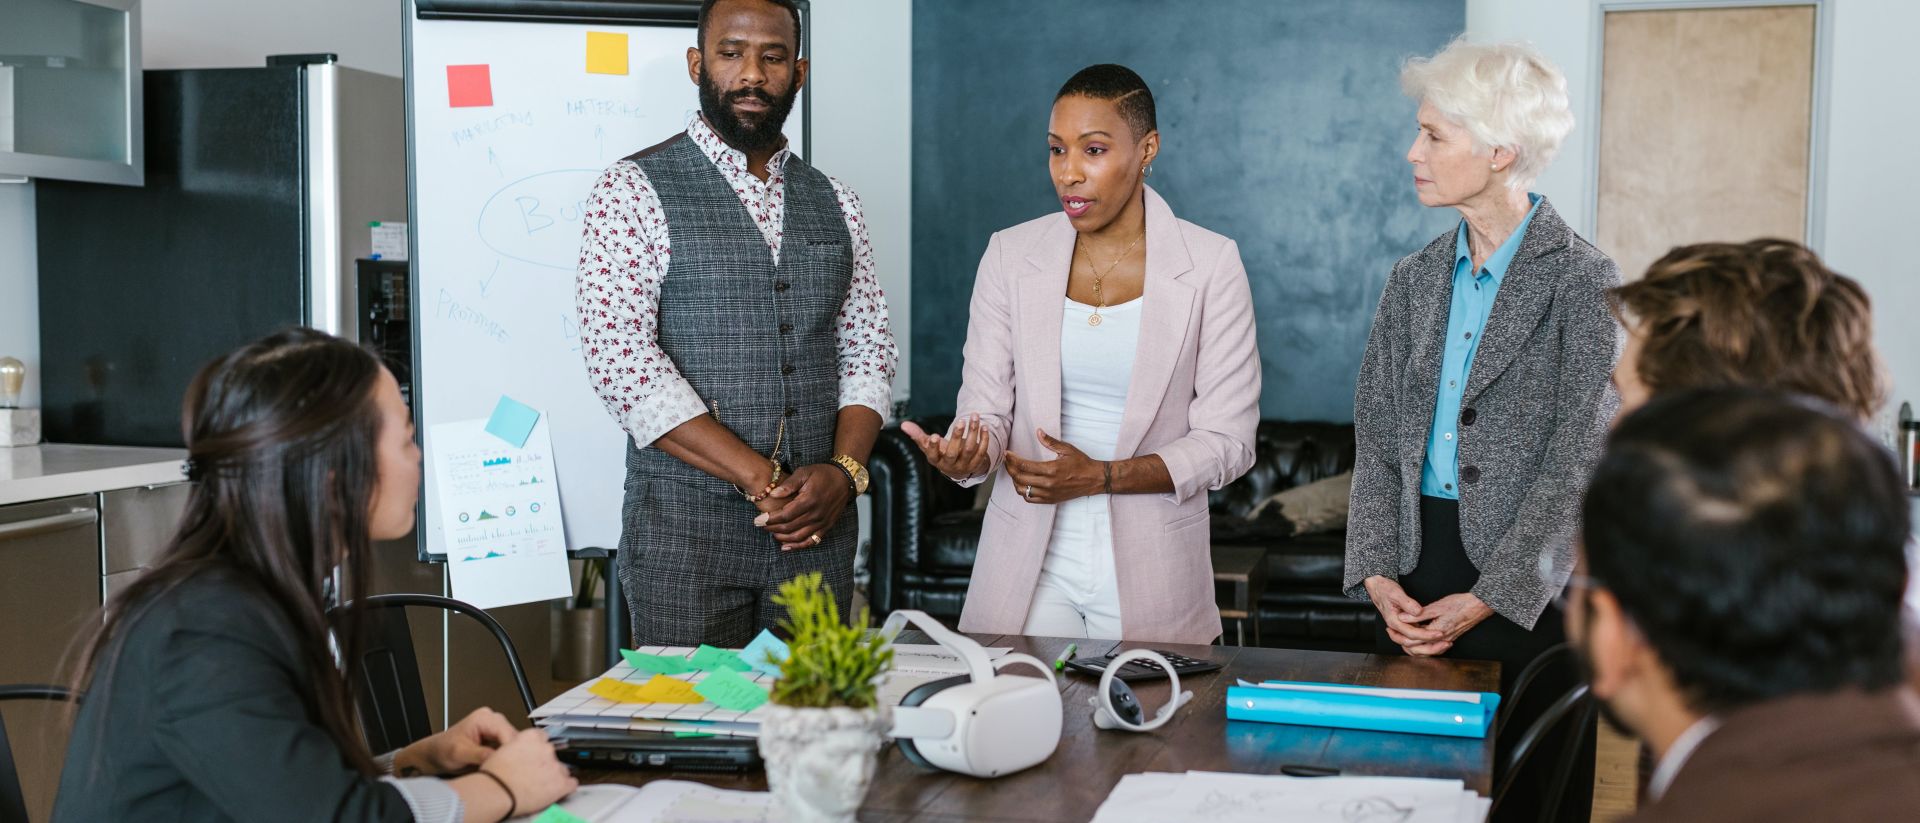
column 856, row 473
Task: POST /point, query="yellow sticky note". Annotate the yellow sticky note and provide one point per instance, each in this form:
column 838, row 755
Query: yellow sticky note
column 661, row 689
column 664, row 689
column 606, row 52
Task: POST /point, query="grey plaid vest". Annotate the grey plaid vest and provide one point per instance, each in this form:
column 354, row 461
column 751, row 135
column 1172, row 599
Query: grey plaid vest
column 755, row 338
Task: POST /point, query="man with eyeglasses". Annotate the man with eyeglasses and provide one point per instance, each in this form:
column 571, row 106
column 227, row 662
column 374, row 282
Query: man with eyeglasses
column 1737, row 605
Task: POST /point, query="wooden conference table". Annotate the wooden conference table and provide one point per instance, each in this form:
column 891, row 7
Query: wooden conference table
column 1072, row 783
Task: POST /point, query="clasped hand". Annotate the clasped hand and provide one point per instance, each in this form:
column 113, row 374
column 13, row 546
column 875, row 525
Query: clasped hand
column 1424, row 631
column 805, row 505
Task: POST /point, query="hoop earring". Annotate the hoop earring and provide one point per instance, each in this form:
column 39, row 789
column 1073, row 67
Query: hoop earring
column 1148, row 171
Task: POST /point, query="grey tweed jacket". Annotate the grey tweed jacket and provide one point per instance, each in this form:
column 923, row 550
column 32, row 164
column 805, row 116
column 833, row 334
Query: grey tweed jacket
column 1533, row 418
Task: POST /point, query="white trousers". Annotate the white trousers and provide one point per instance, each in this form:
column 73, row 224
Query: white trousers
column 1078, row 593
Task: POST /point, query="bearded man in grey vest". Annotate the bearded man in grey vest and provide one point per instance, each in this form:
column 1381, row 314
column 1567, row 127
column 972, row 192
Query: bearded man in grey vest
column 732, row 322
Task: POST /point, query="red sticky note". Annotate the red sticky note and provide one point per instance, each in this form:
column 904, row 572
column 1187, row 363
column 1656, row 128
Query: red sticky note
column 469, row 86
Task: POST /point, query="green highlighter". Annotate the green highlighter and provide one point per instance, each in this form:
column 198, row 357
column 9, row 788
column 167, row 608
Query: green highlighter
column 1060, row 663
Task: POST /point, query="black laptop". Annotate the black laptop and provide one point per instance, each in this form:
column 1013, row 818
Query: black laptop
column 665, row 751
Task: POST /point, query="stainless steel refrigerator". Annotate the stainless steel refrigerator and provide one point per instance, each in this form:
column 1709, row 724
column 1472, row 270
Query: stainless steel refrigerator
column 260, row 184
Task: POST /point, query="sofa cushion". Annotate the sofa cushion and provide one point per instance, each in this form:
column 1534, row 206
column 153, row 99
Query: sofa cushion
column 1286, row 454
column 952, row 539
column 1320, row 506
column 1316, row 559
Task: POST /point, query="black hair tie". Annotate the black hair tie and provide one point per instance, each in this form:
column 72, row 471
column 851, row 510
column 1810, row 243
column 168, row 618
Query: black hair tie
column 513, row 803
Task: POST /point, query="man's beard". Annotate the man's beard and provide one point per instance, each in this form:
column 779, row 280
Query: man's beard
column 759, row 134
column 1584, row 669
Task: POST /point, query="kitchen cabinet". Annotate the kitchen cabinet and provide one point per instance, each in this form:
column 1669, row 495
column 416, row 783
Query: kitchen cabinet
column 59, row 558
column 70, row 91
column 135, row 525
column 49, row 598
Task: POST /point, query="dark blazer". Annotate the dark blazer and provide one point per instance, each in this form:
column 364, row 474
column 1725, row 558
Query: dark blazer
column 1847, row 757
column 1533, row 419
column 208, row 715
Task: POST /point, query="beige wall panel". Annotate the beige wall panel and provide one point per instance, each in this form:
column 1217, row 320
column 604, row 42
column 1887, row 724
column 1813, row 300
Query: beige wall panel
column 1704, row 128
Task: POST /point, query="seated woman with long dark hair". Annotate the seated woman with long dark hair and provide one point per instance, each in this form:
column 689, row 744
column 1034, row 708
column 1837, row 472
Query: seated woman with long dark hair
column 213, row 688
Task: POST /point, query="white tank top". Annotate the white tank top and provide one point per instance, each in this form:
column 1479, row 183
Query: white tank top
column 1096, row 364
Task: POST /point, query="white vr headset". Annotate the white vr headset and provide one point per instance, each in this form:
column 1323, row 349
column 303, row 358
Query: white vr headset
column 981, row 723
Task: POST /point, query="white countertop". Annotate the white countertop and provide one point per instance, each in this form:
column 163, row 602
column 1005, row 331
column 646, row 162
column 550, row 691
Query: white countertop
column 56, row 470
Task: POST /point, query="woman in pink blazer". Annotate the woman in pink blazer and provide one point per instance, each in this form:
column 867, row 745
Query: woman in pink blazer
column 1111, row 370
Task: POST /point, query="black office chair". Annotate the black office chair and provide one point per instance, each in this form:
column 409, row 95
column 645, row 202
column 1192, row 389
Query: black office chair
column 393, row 703
column 13, row 803
column 1558, row 660
column 1574, row 711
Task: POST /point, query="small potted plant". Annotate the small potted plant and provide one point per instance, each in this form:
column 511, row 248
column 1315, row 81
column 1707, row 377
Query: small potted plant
column 822, row 734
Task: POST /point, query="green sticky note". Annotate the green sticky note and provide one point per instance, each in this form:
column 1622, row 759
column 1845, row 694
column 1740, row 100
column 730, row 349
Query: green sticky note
column 555, row 814
column 729, row 690
column 693, row 734
column 656, row 663
column 712, row 659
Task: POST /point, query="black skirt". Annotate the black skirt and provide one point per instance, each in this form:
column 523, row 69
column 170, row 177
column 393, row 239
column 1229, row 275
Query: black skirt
column 1445, row 569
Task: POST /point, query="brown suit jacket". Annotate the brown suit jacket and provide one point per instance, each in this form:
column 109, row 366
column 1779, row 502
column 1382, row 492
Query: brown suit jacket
column 1846, row 757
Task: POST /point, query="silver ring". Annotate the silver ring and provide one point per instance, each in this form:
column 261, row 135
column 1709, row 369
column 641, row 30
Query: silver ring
column 1029, row 491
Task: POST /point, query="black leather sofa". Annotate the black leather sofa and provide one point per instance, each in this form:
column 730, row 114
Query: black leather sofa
column 925, row 532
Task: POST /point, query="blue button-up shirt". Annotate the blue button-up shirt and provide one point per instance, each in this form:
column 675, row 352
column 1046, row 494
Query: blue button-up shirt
column 1473, row 294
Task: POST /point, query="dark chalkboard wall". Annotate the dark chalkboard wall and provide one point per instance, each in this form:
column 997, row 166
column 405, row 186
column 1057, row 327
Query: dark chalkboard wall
column 1282, row 126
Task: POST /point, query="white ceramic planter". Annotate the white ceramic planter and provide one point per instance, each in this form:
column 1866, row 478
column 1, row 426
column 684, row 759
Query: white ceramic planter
column 820, row 761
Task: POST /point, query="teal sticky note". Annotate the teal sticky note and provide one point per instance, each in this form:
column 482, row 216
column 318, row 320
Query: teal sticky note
column 512, row 421
column 657, row 664
column 712, row 659
column 729, row 690
column 765, row 653
column 555, row 814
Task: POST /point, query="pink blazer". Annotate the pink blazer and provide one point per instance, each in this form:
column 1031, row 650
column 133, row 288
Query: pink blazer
column 1193, row 399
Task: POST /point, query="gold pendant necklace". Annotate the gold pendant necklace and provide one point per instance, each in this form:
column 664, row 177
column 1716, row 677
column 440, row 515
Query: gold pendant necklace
column 1099, row 300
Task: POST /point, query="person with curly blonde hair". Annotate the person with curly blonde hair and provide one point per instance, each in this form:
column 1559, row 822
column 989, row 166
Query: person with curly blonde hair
column 1764, row 313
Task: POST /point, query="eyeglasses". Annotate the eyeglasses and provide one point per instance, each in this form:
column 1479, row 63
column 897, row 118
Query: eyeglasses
column 1575, row 581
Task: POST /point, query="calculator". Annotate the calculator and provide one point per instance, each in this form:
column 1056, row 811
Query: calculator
column 1136, row 670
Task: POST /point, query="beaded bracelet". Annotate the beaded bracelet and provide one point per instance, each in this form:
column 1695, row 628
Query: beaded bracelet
column 771, row 485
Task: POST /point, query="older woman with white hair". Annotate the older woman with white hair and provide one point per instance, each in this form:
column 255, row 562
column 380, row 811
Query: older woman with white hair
column 1483, row 399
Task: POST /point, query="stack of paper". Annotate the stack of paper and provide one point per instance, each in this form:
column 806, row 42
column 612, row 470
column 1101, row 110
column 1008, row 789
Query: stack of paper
column 1213, row 797
column 690, row 691
column 710, row 691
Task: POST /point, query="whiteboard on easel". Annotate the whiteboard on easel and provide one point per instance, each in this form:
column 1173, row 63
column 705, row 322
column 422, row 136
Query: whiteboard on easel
column 513, row 112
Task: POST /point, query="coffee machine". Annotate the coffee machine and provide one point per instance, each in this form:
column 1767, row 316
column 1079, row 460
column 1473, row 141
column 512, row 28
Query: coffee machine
column 385, row 312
